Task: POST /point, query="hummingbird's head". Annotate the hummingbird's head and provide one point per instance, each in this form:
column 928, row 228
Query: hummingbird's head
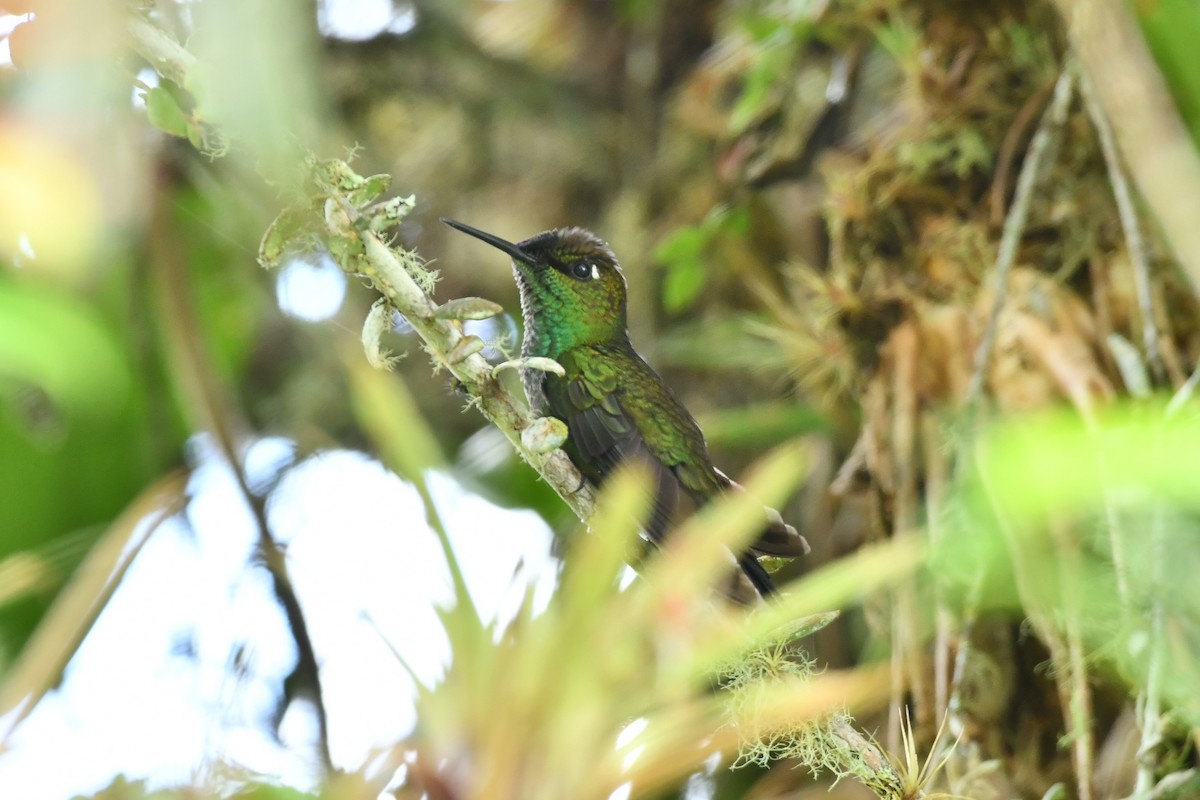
column 572, row 288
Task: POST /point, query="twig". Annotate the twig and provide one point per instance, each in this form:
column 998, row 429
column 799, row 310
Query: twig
column 168, row 57
column 1129, row 223
column 1149, row 702
column 214, row 411
column 1181, row 397
column 1072, row 674
column 868, row 763
column 1007, row 154
column 1014, row 228
column 306, row 675
column 936, row 476
column 908, row 674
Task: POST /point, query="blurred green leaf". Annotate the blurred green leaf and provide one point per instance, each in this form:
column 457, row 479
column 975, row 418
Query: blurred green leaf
column 77, row 436
column 684, row 244
column 164, row 112
column 685, row 253
column 899, row 38
column 388, row 412
column 759, row 26
column 723, row 344
column 255, row 78
column 263, row 791
column 1090, row 524
column 734, row 220
column 233, row 304
column 1172, row 30
column 682, row 285
column 1052, row 464
column 760, row 425
column 52, row 341
column 755, row 95
column 769, row 74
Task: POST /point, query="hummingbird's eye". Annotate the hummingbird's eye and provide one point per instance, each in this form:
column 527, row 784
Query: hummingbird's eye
column 585, row 271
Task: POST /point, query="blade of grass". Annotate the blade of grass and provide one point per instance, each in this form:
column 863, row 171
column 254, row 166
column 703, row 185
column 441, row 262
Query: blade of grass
column 41, row 662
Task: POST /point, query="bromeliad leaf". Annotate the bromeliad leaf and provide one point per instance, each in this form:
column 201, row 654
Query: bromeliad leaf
column 377, row 323
column 468, row 308
column 466, row 347
column 371, row 188
column 287, row 233
column 389, row 213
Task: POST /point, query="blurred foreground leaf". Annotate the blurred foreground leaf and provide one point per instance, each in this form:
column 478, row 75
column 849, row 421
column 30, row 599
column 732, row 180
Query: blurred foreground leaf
column 45, row 656
column 609, row 686
column 52, row 341
column 1096, row 528
column 1172, row 29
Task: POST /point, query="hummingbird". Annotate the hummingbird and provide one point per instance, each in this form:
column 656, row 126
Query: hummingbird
column 615, row 405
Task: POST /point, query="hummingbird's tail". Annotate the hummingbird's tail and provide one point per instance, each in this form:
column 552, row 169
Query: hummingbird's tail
column 754, row 573
column 748, row 583
column 777, row 538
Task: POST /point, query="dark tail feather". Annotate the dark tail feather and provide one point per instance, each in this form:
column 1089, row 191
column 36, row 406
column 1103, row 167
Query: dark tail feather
column 748, row 583
column 777, row 537
column 780, row 539
column 757, row 575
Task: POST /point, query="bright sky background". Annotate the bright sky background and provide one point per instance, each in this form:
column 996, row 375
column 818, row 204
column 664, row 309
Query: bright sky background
column 184, row 665
column 151, row 692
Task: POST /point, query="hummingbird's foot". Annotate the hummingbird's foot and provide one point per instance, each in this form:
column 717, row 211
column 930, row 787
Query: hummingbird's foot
column 532, row 362
column 544, row 435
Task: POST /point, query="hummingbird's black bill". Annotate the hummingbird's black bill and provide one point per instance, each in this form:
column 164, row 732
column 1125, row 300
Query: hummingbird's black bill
column 495, row 241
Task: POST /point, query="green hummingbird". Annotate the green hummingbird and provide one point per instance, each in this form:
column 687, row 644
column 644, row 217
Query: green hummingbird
column 615, row 406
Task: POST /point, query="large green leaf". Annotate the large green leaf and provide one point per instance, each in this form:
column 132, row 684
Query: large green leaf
column 1172, row 29
column 51, row 341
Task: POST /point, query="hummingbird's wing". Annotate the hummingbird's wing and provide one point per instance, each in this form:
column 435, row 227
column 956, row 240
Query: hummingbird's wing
column 616, row 408
column 604, row 435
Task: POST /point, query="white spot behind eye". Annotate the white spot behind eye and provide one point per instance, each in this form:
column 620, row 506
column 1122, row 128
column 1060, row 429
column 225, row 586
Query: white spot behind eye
column 595, row 272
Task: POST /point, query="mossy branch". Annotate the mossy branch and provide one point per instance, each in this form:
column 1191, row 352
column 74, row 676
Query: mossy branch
column 168, row 57
column 502, row 408
column 353, row 231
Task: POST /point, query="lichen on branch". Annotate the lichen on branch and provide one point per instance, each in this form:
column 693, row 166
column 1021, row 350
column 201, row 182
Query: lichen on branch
column 344, row 216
